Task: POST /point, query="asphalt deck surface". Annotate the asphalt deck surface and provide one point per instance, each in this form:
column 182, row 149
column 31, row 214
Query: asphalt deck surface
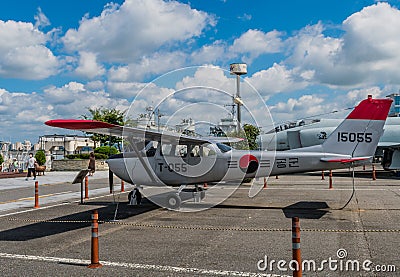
column 239, row 237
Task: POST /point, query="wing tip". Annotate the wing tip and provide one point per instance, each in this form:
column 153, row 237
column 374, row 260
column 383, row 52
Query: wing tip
column 76, row 124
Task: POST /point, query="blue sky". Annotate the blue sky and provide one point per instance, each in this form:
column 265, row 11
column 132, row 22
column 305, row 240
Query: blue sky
column 304, row 57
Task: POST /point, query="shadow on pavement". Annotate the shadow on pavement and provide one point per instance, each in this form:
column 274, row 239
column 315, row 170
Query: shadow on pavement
column 307, row 210
column 74, row 221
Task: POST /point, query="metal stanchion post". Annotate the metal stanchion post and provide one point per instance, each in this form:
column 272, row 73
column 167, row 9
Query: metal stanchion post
column 330, row 179
column 122, row 186
column 323, row 175
column 36, row 195
column 86, row 188
column 265, row 183
column 373, row 173
column 296, row 246
column 95, row 242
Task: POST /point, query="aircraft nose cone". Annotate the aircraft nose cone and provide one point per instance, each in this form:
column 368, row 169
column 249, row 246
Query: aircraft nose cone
column 117, row 166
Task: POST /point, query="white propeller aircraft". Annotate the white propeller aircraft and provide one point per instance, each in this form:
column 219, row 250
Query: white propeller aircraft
column 157, row 159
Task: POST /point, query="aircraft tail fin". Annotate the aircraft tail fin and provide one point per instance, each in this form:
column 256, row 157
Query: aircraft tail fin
column 358, row 135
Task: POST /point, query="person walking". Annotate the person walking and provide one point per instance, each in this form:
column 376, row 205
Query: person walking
column 92, row 164
column 31, row 167
column 16, row 165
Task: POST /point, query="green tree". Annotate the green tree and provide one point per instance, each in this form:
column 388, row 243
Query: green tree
column 112, row 116
column 40, row 157
column 1, row 159
column 106, row 150
column 249, row 133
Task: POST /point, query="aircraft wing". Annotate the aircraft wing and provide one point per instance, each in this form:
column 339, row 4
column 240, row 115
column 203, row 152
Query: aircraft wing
column 104, row 128
column 223, row 139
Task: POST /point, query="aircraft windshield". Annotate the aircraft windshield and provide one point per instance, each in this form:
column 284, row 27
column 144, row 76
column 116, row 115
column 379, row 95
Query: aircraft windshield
column 292, row 124
column 223, row 147
column 151, row 148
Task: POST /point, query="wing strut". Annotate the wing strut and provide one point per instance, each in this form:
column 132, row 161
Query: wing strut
column 143, row 162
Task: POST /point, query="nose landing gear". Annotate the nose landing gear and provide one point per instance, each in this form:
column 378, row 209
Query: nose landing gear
column 174, row 201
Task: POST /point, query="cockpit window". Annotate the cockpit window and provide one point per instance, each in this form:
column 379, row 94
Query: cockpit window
column 176, row 150
column 223, row 147
column 167, row 150
column 207, row 150
column 181, row 150
column 195, row 151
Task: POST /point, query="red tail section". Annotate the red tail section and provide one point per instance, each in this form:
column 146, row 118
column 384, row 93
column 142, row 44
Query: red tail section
column 358, row 135
column 371, row 109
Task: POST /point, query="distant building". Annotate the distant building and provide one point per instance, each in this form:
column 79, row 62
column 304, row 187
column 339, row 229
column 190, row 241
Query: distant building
column 57, row 146
column 151, row 121
column 5, row 145
column 186, row 127
column 395, row 108
column 146, row 120
column 227, row 125
column 18, row 146
column 18, row 151
column 27, row 146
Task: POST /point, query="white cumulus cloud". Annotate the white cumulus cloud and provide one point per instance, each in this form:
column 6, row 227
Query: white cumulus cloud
column 23, row 52
column 254, row 43
column 88, row 66
column 276, row 79
column 138, row 27
column 367, row 53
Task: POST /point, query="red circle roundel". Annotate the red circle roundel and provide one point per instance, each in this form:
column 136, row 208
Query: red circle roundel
column 248, row 163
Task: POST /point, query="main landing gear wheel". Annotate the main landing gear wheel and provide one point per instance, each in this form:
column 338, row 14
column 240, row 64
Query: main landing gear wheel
column 130, row 196
column 202, row 192
column 135, row 197
column 173, row 201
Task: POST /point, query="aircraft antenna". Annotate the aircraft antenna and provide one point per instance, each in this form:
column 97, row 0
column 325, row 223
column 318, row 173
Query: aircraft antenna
column 332, row 112
column 232, row 113
column 308, row 117
column 354, row 189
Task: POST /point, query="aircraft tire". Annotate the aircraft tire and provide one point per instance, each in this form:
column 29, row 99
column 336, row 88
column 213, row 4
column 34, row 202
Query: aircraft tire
column 130, row 196
column 173, row 201
column 202, row 193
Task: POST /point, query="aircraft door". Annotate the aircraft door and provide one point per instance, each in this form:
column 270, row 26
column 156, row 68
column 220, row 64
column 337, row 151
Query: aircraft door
column 171, row 163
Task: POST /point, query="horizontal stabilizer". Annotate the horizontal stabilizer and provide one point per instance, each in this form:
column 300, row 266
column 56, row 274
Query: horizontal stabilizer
column 388, row 144
column 345, row 160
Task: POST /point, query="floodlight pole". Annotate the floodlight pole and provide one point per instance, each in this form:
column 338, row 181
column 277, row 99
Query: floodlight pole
column 238, row 69
column 239, row 115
